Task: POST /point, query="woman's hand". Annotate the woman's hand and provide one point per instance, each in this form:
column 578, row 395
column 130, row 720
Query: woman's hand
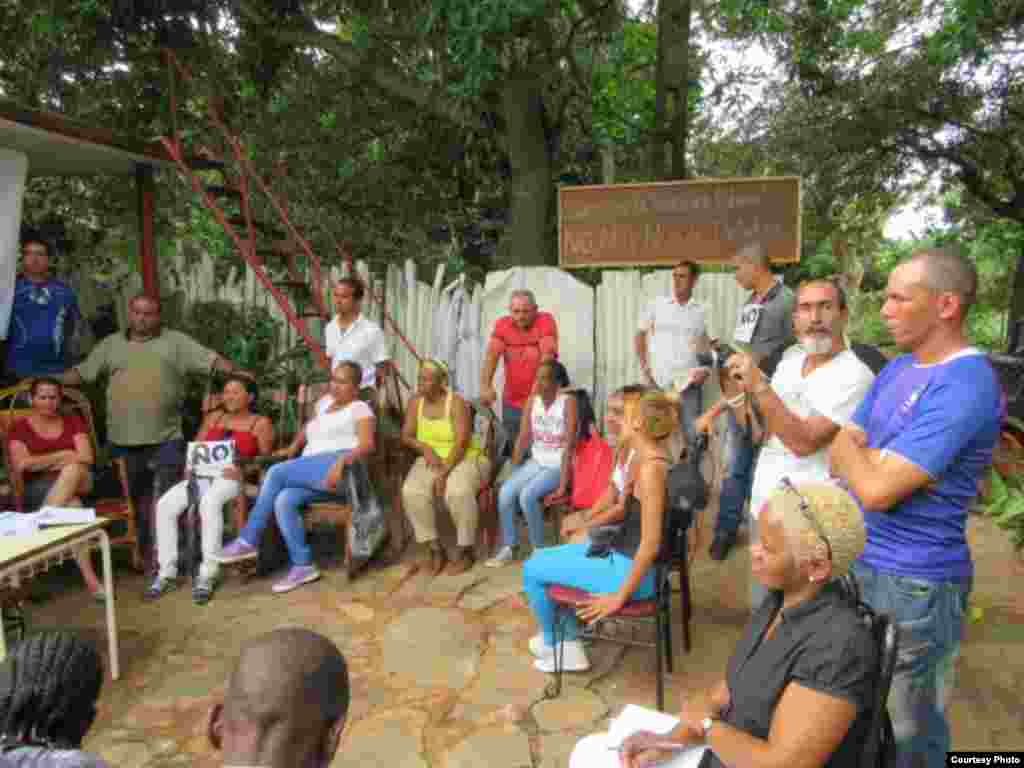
column 333, row 476
column 440, row 484
column 694, row 711
column 640, row 750
column 232, row 473
column 433, row 460
column 554, row 496
column 599, row 607
column 284, row 453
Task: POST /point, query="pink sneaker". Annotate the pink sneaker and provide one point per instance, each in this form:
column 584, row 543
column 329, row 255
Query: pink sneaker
column 237, row 551
column 296, row 577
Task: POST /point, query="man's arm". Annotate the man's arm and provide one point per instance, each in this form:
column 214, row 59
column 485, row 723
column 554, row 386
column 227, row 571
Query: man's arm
column 89, row 368
column 881, row 480
column 549, row 341
column 494, row 350
column 803, row 437
column 640, row 347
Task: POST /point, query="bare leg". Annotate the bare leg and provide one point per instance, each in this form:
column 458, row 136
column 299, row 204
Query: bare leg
column 74, row 480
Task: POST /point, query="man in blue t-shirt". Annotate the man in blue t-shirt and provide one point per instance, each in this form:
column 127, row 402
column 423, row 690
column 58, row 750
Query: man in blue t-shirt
column 919, row 444
column 43, row 317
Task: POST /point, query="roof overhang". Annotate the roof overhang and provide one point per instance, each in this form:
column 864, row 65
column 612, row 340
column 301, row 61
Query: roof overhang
column 56, row 146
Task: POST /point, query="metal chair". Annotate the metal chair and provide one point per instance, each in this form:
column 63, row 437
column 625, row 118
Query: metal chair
column 656, row 610
column 879, row 739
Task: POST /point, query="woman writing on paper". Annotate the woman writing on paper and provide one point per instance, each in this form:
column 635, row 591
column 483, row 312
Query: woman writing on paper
column 798, row 688
column 253, row 435
column 53, row 454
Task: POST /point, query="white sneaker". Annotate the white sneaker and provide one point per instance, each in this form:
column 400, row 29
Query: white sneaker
column 574, row 660
column 506, row 555
column 539, row 648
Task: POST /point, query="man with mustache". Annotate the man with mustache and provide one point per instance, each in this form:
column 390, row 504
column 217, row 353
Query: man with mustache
column 814, row 391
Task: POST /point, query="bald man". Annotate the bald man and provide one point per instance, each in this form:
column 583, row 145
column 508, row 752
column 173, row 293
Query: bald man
column 286, row 703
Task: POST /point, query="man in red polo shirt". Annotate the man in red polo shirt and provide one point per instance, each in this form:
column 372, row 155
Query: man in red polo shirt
column 523, row 339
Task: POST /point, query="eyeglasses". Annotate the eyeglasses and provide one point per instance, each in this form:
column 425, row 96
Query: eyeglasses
column 805, row 509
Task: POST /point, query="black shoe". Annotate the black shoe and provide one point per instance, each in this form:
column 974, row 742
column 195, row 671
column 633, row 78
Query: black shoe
column 721, row 545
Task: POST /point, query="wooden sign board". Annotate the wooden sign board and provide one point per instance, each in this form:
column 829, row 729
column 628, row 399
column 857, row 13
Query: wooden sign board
column 666, row 222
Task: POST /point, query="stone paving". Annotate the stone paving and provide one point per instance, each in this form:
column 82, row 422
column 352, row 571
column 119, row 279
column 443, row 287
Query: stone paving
column 441, row 676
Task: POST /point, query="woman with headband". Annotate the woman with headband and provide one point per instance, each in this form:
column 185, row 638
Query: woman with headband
column 451, row 466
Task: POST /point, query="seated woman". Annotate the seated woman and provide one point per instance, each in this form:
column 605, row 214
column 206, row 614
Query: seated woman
column 626, row 573
column 548, row 429
column 438, row 426
column 798, row 688
column 253, row 435
column 341, row 433
column 48, row 692
column 53, row 453
column 610, row 507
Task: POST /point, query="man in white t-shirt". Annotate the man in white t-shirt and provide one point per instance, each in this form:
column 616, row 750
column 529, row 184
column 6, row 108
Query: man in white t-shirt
column 351, row 336
column 671, row 330
column 814, row 392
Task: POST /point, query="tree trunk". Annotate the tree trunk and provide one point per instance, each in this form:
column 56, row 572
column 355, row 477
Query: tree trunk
column 1015, row 326
column 671, row 94
column 530, row 237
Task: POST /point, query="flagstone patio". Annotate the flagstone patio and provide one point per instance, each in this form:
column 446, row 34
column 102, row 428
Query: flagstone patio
column 441, row 675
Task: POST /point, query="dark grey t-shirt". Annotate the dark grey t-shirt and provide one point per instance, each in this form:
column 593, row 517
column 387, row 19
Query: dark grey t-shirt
column 39, row 757
column 771, row 321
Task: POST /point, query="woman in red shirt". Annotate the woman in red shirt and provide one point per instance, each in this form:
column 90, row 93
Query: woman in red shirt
column 53, row 453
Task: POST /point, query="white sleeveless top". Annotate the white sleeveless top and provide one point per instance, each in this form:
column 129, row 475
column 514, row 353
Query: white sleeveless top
column 548, row 428
column 621, row 472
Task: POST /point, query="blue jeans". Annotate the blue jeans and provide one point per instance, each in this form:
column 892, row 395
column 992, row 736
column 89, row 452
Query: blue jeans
column 568, row 564
column 738, row 477
column 929, row 618
column 523, row 491
column 287, row 488
column 511, row 417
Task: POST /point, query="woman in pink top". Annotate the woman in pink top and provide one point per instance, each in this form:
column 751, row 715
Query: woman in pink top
column 53, row 453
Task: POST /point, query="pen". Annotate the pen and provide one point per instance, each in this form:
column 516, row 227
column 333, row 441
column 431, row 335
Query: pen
column 667, row 746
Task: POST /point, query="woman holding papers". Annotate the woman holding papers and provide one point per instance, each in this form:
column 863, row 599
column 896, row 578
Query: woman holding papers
column 253, row 435
column 798, row 688
column 53, row 454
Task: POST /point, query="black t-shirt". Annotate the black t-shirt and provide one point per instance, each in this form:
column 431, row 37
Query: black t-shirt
column 821, row 644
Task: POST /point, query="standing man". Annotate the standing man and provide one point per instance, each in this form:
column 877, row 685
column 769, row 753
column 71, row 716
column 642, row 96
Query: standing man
column 43, row 316
column 814, row 391
column 523, row 339
column 765, row 323
column 351, row 336
column 286, row 702
column 672, row 328
column 147, row 366
column 919, row 444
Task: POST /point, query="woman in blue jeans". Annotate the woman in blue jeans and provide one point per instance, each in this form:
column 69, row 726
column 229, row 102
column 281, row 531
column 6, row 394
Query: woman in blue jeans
column 626, row 571
column 548, row 428
column 341, row 432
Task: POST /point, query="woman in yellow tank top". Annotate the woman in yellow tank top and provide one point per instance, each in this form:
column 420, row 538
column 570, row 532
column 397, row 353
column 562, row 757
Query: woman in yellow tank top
column 451, row 466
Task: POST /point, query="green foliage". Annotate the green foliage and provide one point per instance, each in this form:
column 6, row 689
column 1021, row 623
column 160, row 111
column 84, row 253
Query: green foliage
column 1005, row 505
column 623, row 85
column 245, row 335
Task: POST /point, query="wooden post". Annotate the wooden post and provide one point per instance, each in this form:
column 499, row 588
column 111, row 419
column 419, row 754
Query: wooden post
column 147, row 248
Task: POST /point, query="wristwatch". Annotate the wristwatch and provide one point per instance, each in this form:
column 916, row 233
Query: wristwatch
column 705, row 726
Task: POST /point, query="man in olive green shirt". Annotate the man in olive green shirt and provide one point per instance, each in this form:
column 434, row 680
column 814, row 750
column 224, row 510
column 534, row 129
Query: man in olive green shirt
column 147, row 366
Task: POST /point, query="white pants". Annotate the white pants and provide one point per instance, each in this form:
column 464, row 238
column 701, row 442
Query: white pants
column 213, row 496
column 595, row 751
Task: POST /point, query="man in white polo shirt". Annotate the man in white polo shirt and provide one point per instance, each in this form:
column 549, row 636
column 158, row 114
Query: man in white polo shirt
column 350, row 336
column 672, row 328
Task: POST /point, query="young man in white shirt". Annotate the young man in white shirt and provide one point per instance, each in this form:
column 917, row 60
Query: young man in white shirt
column 351, row 336
column 814, row 392
column 671, row 330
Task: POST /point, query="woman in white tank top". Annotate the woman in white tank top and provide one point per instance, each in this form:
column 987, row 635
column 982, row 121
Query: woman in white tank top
column 548, row 429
